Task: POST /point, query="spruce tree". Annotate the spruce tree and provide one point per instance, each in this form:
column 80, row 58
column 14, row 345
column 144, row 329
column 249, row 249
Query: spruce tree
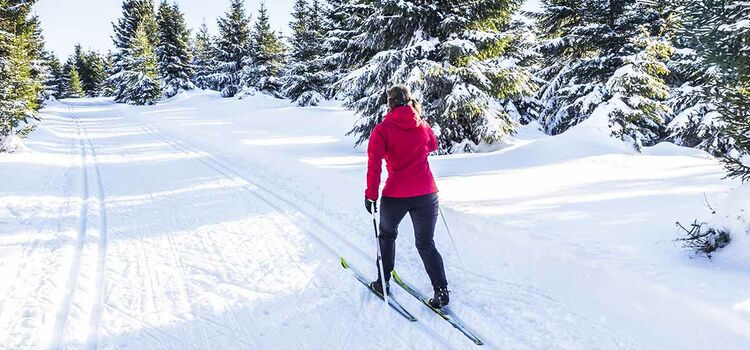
column 140, row 78
column 91, row 69
column 454, row 55
column 96, row 66
column 696, row 122
column 53, row 86
column 341, row 54
column 606, row 58
column 107, row 86
column 232, row 49
column 263, row 66
column 74, row 87
column 20, row 87
column 173, row 51
column 137, row 15
column 721, row 33
column 35, row 47
column 203, row 59
column 305, row 81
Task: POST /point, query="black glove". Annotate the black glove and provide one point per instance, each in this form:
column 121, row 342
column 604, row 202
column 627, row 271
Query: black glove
column 371, row 206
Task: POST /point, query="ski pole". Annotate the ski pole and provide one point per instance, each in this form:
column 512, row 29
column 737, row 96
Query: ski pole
column 380, row 255
column 455, row 248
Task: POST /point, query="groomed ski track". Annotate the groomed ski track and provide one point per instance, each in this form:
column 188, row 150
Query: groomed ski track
column 169, row 227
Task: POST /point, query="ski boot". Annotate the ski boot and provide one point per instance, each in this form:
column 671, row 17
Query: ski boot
column 378, row 287
column 441, row 298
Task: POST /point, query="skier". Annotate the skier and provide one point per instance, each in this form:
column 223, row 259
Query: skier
column 404, row 140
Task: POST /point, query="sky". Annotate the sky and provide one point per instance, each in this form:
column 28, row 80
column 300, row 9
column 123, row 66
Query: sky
column 89, row 22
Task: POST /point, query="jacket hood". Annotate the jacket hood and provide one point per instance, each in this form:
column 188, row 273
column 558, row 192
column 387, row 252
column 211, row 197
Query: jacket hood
column 404, row 117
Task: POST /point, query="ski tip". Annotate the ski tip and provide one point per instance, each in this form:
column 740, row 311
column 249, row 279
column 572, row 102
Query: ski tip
column 343, row 263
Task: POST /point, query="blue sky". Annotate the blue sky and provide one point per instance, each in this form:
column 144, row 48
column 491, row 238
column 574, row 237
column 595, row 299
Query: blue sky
column 67, row 22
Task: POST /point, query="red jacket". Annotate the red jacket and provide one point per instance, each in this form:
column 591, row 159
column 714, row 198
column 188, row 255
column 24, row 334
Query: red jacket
column 404, row 140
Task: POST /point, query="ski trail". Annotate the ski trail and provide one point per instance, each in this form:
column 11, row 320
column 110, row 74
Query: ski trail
column 99, row 292
column 181, row 261
column 277, row 202
column 90, row 302
column 177, row 208
column 75, row 266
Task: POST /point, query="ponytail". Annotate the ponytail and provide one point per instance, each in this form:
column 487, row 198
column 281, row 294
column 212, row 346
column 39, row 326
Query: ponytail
column 400, row 95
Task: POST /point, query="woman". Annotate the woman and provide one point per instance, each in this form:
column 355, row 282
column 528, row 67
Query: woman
column 404, row 140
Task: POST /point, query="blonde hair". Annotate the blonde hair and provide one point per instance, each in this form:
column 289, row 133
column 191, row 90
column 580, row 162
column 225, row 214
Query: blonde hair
column 400, row 95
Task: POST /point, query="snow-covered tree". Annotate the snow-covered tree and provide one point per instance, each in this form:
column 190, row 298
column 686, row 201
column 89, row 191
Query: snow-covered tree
column 173, row 50
column 135, row 38
column 21, row 88
column 39, row 70
column 696, row 122
column 53, row 85
column 203, row 59
column 341, row 54
column 304, row 81
column 724, row 34
column 262, row 67
column 140, row 78
column 91, row 69
column 108, row 88
column 454, row 57
column 74, row 88
column 606, row 58
column 232, row 49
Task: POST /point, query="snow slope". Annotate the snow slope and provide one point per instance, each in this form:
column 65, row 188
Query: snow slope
column 217, row 224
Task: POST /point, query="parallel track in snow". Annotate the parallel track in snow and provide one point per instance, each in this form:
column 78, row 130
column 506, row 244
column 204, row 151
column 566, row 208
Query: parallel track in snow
column 277, row 202
column 90, row 171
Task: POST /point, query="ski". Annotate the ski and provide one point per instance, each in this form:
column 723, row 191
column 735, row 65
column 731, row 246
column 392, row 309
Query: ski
column 444, row 313
column 391, row 302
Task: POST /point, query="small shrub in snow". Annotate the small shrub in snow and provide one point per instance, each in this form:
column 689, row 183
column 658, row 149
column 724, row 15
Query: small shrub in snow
column 730, row 222
column 703, row 239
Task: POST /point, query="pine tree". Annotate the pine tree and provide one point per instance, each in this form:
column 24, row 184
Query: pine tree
column 74, row 88
column 232, row 48
column 140, row 77
column 341, row 54
column 454, row 57
column 173, row 51
column 20, row 87
column 203, row 59
column 108, row 88
column 606, row 58
column 39, row 70
column 305, row 81
column 138, row 16
column 53, row 85
column 263, row 66
column 91, row 69
column 696, row 122
column 96, row 66
column 721, row 32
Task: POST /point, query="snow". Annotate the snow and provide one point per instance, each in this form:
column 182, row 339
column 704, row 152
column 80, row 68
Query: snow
column 215, row 223
column 732, row 216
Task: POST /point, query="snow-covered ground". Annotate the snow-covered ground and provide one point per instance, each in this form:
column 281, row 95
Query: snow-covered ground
column 218, row 224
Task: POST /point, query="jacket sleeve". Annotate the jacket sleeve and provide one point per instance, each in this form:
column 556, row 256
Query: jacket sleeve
column 433, row 144
column 375, row 155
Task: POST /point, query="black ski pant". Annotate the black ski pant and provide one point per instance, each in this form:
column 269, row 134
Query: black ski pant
column 423, row 211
